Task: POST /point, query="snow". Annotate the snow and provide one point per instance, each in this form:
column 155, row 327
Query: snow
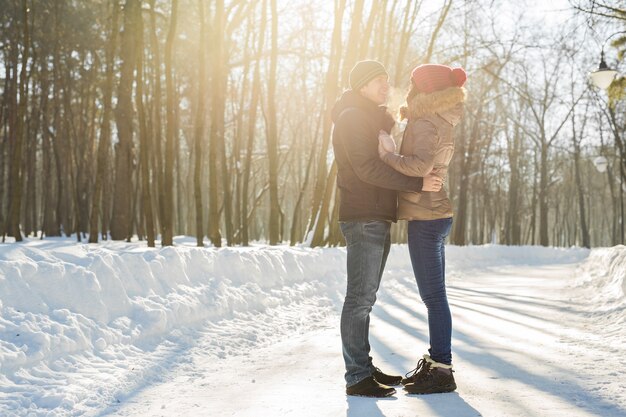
column 119, row 329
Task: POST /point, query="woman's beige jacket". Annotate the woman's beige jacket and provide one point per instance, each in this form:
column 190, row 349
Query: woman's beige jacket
column 427, row 145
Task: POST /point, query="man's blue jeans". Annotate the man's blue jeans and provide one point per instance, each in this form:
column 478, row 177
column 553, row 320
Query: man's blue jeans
column 427, row 250
column 368, row 246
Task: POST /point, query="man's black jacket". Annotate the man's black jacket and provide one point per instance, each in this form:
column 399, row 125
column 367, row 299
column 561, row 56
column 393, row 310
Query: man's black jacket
column 367, row 185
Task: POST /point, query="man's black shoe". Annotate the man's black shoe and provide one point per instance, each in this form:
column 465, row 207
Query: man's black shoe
column 369, row 387
column 435, row 381
column 385, row 379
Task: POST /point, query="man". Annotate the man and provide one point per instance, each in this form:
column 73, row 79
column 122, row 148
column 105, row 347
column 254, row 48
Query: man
column 368, row 204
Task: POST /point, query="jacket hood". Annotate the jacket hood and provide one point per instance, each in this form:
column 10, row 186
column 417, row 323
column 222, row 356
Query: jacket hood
column 352, row 99
column 453, row 115
column 439, row 102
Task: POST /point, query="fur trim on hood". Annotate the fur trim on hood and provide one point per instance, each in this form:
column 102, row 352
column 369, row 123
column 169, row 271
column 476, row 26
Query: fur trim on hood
column 437, row 102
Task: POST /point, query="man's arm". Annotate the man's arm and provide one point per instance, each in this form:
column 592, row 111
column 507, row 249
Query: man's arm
column 362, row 154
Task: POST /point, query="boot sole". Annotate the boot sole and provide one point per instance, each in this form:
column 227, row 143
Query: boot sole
column 393, row 384
column 438, row 390
column 373, row 396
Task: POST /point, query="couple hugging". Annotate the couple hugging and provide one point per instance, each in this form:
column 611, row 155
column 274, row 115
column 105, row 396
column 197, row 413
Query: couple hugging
column 379, row 184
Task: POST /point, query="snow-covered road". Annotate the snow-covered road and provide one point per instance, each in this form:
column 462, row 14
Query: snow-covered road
column 524, row 345
column 118, row 329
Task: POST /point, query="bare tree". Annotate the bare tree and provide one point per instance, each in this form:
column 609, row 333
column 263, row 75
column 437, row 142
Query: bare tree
column 199, row 133
column 124, row 115
column 105, row 130
column 15, row 176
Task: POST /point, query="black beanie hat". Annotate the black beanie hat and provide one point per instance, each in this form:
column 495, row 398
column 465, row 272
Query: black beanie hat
column 364, row 72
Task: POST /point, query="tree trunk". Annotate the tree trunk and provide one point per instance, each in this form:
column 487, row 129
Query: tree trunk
column 15, row 176
column 433, row 36
column 467, row 167
column 72, row 159
column 533, row 218
column 30, row 206
column 318, row 235
column 410, row 15
column 145, row 148
column 272, row 134
column 199, row 131
column 217, row 120
column 220, row 77
column 5, row 111
column 330, row 95
column 124, row 115
column 180, row 194
column 48, row 227
column 512, row 223
column 168, row 174
column 354, row 40
column 375, row 11
column 105, row 130
column 295, row 236
column 379, row 45
column 156, row 113
column 579, row 188
column 254, row 103
column 387, row 33
column 543, row 195
column 239, row 135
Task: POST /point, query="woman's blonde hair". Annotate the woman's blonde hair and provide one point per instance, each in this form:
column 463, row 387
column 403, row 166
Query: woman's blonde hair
column 403, row 111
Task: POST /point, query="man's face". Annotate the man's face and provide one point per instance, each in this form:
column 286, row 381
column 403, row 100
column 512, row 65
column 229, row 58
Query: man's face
column 377, row 90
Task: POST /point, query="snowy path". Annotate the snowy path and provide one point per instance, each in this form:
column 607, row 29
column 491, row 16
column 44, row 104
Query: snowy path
column 524, row 345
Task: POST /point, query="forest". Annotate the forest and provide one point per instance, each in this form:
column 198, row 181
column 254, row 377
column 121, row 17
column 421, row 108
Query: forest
column 150, row 119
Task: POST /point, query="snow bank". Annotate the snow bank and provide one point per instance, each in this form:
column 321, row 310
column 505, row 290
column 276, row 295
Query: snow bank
column 604, row 274
column 65, row 298
column 602, row 291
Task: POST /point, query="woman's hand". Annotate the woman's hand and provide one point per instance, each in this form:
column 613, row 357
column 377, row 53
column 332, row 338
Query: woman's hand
column 432, row 182
column 386, row 144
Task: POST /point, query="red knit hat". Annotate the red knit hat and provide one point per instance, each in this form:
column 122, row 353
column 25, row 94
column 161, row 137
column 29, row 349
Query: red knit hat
column 429, row 78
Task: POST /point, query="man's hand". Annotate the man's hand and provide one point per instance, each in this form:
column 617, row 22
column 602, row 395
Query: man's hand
column 386, row 144
column 432, row 183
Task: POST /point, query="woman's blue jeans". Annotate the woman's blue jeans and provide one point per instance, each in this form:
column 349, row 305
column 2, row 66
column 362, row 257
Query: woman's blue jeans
column 427, row 250
column 368, row 246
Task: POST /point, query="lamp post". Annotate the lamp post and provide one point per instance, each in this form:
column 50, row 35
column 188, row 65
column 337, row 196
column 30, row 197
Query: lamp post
column 602, row 78
column 604, row 75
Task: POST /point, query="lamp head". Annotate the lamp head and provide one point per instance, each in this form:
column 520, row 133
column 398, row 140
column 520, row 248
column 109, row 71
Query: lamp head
column 603, row 76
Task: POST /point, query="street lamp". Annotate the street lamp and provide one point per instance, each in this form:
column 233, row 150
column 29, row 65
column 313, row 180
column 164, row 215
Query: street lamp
column 604, row 76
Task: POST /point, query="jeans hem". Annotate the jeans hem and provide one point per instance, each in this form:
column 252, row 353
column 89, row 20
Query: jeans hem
column 348, row 385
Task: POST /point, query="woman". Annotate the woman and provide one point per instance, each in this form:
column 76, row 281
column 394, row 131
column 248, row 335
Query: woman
column 434, row 108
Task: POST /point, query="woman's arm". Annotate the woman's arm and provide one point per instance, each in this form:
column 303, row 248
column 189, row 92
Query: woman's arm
column 419, row 145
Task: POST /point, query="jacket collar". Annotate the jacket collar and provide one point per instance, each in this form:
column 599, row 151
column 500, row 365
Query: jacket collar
column 453, row 116
column 351, row 98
